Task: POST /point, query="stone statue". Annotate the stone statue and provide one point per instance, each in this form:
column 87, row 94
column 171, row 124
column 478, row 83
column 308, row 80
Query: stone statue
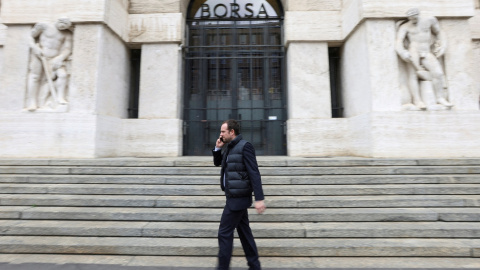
column 51, row 45
column 420, row 43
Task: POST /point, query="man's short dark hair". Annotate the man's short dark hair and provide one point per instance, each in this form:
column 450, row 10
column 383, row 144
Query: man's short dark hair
column 233, row 124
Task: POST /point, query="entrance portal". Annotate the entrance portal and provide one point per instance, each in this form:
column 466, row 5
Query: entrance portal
column 234, row 64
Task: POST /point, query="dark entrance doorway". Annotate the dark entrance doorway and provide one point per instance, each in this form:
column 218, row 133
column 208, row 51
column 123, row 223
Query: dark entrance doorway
column 234, row 64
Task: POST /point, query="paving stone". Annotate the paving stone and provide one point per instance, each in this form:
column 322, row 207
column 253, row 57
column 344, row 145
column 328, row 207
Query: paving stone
column 12, row 212
column 261, row 230
column 393, row 230
column 367, row 247
column 71, row 228
column 78, row 200
column 33, row 170
column 212, row 190
column 283, row 215
column 277, row 161
column 461, row 214
column 344, row 215
column 266, row 247
column 179, row 262
column 386, row 201
column 123, row 214
column 367, row 170
column 266, row 179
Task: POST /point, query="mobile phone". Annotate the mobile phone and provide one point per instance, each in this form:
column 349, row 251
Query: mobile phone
column 221, row 139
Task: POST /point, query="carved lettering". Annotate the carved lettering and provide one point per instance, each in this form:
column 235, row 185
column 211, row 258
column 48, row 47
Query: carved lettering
column 233, row 11
column 235, row 8
column 205, row 14
column 248, row 9
column 215, row 10
column 263, row 12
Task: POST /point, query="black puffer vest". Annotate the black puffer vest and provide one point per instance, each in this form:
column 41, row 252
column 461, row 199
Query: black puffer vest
column 236, row 176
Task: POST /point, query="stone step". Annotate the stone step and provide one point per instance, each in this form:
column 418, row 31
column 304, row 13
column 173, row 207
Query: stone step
column 213, row 190
column 267, row 180
column 127, row 262
column 214, row 214
column 412, row 247
column 261, row 230
column 384, row 201
column 214, row 171
column 263, row 161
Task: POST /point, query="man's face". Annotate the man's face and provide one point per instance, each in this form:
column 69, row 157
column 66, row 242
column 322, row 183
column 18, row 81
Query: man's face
column 62, row 25
column 225, row 134
column 413, row 18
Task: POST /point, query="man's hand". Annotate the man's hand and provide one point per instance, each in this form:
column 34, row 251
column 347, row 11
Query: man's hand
column 219, row 143
column 438, row 50
column 405, row 55
column 260, row 206
column 57, row 63
column 37, row 50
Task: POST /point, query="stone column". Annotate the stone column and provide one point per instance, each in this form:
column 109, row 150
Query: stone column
column 370, row 77
column 100, row 83
column 308, row 81
column 85, row 68
column 308, row 92
column 158, row 132
column 160, row 87
column 383, row 62
column 13, row 79
column 3, row 35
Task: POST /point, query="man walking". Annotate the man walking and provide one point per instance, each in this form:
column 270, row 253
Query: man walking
column 239, row 178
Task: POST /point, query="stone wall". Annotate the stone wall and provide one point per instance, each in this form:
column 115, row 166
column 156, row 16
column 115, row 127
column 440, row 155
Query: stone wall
column 375, row 124
column 104, row 32
column 96, row 124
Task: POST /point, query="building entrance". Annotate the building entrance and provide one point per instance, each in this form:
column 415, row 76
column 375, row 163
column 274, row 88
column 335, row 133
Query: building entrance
column 234, row 64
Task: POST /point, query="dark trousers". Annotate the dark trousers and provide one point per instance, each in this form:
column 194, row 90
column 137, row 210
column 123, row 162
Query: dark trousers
column 230, row 221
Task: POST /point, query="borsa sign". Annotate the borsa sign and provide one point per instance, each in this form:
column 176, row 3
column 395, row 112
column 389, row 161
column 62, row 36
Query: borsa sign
column 232, row 11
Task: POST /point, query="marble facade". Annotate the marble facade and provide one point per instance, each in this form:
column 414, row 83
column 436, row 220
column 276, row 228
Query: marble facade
column 96, row 123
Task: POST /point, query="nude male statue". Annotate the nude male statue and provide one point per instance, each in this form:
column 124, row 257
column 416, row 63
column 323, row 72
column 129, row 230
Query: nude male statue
column 51, row 45
column 421, row 55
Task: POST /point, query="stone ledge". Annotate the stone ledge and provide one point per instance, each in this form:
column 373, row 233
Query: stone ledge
column 280, row 263
column 312, row 26
column 273, row 215
column 3, row 34
column 266, row 247
column 217, row 200
column 475, row 25
column 355, row 12
column 404, row 230
column 271, row 171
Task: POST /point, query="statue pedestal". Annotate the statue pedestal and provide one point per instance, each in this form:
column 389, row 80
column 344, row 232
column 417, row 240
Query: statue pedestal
column 429, row 98
column 427, row 93
column 403, row 134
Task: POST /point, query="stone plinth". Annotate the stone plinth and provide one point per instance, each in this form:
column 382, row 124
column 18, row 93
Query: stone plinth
column 429, row 134
column 439, row 134
column 45, row 135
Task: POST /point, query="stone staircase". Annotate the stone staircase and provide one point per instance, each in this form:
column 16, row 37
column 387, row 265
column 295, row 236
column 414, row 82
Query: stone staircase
column 322, row 209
